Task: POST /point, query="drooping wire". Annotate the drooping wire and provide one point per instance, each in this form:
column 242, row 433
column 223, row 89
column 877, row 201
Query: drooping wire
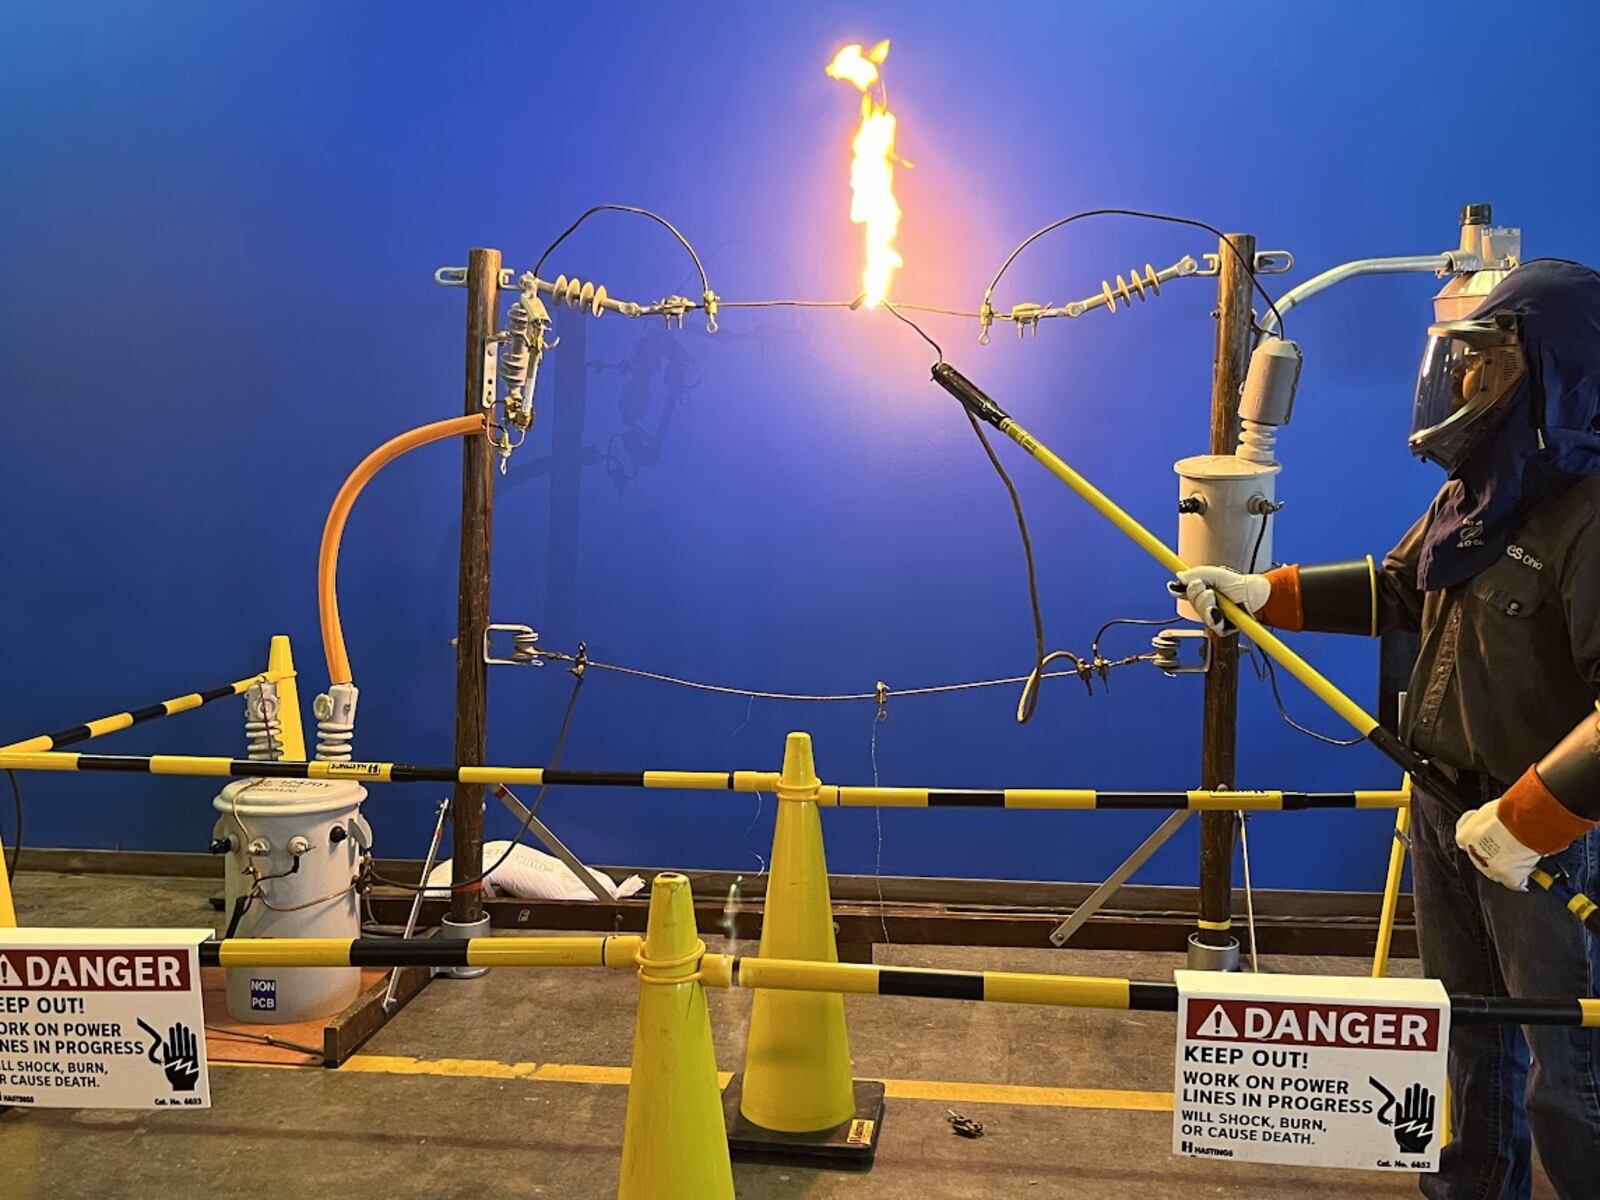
column 266, row 1039
column 1249, row 267
column 16, row 845
column 1148, row 622
column 705, row 283
column 878, row 718
column 1271, row 673
column 936, row 689
column 1265, row 670
column 1029, row 699
column 1261, row 536
column 922, row 333
column 527, row 821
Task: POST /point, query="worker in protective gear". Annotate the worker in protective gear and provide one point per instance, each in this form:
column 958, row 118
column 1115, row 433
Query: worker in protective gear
column 1501, row 577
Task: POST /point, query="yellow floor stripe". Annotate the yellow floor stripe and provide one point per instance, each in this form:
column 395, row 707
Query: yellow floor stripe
column 937, row 1091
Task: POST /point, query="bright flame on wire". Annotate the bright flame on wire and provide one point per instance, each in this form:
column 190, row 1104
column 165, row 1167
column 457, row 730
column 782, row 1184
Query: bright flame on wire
column 872, row 202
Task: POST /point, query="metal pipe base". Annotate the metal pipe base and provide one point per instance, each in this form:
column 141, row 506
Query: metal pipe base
column 1213, row 958
column 450, row 930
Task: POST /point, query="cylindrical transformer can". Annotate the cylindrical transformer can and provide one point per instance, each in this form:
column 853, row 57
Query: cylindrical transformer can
column 1225, row 506
column 271, row 825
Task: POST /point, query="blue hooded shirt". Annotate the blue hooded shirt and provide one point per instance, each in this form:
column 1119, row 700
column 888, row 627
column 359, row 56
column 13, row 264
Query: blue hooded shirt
column 1545, row 438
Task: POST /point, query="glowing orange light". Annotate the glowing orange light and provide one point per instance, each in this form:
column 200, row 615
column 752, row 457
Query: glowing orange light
column 872, row 202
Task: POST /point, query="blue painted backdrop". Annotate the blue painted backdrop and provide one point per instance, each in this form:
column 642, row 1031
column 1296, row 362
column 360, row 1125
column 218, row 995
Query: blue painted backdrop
column 218, row 224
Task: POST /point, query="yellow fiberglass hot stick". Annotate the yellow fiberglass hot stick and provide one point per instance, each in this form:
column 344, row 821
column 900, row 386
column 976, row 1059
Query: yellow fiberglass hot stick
column 985, row 409
column 1550, row 876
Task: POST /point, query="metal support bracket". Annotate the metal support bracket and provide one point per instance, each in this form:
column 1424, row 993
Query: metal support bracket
column 1096, row 899
column 1168, row 648
column 1268, row 262
column 457, row 277
column 524, row 641
column 416, row 901
column 491, row 373
column 554, row 844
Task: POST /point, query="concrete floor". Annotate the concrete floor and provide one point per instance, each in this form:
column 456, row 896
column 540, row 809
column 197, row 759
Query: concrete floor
column 376, row 1128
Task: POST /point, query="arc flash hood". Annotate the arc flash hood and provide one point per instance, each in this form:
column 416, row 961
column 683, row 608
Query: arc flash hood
column 1541, row 440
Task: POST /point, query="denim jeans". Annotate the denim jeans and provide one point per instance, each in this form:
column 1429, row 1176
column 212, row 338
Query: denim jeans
column 1479, row 937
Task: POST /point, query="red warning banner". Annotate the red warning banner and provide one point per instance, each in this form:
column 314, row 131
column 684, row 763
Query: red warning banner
column 94, row 970
column 1293, row 1023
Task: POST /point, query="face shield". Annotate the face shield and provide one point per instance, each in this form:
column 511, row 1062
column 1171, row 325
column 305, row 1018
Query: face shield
column 1469, row 370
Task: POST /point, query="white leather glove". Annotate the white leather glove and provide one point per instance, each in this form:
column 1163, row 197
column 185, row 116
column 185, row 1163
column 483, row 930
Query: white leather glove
column 1493, row 848
column 1201, row 585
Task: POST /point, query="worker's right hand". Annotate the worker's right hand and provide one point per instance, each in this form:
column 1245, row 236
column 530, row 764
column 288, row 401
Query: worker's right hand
column 1201, row 586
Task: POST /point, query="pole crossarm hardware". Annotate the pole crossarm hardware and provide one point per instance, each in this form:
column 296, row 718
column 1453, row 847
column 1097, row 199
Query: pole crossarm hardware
column 624, row 952
column 826, row 795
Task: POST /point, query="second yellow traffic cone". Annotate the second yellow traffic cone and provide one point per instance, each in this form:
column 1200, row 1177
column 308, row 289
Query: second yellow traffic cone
column 797, row 1060
column 674, row 1143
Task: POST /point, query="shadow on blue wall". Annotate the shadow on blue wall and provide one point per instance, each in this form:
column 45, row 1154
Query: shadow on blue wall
column 218, row 229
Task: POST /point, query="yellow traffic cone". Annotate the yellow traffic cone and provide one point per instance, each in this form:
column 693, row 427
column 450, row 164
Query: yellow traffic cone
column 673, row 1142
column 797, row 1075
column 280, row 662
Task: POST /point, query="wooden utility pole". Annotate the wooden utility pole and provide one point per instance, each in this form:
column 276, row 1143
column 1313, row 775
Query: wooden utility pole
column 477, row 518
column 1220, row 729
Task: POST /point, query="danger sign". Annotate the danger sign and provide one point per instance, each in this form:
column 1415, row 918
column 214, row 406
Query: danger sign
column 102, row 1018
column 95, row 970
column 1310, row 1070
column 1304, row 1023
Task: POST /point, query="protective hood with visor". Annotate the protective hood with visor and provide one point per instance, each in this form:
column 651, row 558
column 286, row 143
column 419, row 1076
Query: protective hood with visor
column 1469, row 371
column 1508, row 402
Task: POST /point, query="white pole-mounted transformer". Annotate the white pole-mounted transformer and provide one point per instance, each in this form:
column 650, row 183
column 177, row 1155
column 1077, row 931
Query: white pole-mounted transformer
column 1226, row 501
column 293, row 852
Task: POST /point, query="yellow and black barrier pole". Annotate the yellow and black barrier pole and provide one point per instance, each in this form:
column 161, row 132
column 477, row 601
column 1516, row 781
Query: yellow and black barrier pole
column 1429, row 778
column 630, row 952
column 1071, row 799
column 617, row 951
column 135, row 716
column 826, row 795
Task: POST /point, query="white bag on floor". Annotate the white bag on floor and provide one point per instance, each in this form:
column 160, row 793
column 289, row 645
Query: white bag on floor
column 529, row 874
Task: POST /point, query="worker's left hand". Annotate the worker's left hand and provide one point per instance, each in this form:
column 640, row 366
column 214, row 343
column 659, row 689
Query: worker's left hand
column 1493, row 848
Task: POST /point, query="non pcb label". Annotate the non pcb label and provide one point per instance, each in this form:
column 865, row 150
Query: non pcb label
column 1310, row 1070
column 98, row 1018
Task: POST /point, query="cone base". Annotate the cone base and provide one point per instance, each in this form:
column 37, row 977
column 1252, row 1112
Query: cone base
column 850, row 1146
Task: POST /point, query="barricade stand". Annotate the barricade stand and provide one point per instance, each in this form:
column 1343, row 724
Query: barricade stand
column 1391, row 885
column 796, row 1102
column 8, row 911
column 673, row 1142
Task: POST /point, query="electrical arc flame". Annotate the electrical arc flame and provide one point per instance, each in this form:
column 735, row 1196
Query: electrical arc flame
column 872, row 202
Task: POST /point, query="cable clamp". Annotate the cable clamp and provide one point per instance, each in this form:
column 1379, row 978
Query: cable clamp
column 880, row 693
column 673, row 309
column 1027, row 315
column 580, row 661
